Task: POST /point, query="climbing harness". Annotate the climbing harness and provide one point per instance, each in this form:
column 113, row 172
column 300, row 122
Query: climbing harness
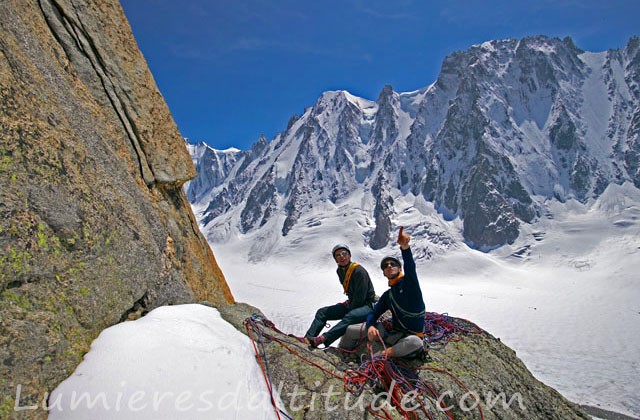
column 396, row 307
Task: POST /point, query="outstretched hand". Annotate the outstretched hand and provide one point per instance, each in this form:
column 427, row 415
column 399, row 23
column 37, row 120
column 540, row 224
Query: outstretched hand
column 403, row 239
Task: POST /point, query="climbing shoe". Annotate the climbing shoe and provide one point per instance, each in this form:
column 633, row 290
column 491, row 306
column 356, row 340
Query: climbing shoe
column 316, row 341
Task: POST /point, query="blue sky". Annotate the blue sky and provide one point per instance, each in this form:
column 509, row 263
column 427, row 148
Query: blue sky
column 232, row 70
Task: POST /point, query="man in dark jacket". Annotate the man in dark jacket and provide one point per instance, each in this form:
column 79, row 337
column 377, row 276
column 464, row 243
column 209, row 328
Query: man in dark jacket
column 357, row 286
column 404, row 300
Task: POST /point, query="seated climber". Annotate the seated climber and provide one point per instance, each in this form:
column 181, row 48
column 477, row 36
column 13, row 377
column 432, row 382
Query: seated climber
column 404, row 300
column 358, row 288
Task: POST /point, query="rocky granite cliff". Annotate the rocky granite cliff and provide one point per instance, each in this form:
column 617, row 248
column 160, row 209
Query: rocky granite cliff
column 94, row 225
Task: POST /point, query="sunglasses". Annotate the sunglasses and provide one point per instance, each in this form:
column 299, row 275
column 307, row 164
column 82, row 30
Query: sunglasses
column 389, row 264
column 341, row 254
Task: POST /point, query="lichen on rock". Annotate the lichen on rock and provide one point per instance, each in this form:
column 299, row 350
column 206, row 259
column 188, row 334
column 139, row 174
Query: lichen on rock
column 94, row 225
column 475, row 374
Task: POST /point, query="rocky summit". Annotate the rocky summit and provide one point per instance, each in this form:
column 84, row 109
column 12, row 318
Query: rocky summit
column 94, row 225
column 474, row 376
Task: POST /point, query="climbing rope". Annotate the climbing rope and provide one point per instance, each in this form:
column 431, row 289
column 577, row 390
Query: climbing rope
column 440, row 329
column 377, row 373
column 252, row 326
column 401, row 384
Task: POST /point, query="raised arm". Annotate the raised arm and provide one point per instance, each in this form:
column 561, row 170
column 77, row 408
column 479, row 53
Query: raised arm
column 407, row 255
column 403, row 239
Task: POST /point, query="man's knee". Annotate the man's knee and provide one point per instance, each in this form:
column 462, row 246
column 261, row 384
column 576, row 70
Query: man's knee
column 321, row 313
column 414, row 342
column 407, row 346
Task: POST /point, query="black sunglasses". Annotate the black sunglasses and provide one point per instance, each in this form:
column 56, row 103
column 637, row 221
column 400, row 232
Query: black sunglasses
column 389, row 264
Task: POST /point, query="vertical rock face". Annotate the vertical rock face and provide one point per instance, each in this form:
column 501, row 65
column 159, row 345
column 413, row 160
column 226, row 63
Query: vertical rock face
column 631, row 59
column 94, row 225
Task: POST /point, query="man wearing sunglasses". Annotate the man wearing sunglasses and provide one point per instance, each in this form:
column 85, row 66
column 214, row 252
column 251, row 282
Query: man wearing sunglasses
column 404, row 300
column 357, row 286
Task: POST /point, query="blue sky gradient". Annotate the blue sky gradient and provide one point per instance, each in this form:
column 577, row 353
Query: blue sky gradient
column 232, row 70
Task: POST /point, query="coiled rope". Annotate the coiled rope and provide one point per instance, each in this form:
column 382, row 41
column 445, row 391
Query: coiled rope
column 440, row 329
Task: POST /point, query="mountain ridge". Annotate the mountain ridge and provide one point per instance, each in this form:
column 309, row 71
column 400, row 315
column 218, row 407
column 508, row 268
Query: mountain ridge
column 507, row 125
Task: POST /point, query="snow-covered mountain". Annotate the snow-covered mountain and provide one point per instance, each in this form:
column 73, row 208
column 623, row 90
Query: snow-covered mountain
column 529, row 148
column 212, row 167
column 507, row 126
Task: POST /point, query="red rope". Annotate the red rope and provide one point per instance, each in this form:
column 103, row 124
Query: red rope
column 441, row 328
column 378, row 369
column 295, row 353
column 262, row 367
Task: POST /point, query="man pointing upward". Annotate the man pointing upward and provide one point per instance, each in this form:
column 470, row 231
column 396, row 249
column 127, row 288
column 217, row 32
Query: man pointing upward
column 403, row 299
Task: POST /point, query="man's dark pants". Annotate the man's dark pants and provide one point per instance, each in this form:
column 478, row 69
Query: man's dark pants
column 339, row 311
